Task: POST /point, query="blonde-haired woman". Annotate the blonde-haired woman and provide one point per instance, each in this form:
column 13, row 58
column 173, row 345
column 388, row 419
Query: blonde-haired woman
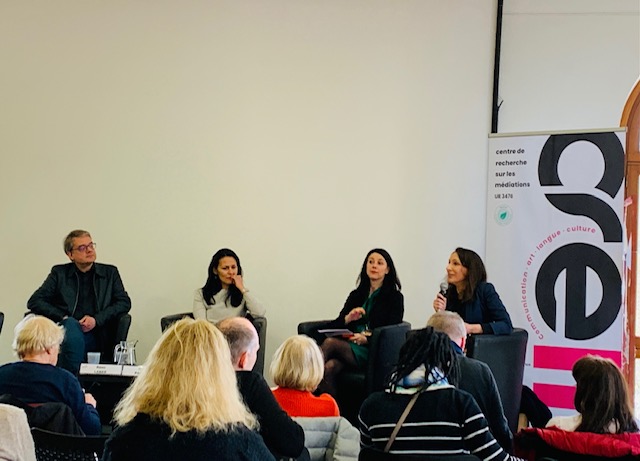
column 185, row 404
column 297, row 368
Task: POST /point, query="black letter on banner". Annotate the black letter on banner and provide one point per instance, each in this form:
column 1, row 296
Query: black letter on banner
column 583, row 204
column 593, row 207
column 575, row 258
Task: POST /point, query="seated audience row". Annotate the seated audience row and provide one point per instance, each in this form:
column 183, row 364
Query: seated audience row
column 441, row 419
column 207, row 414
column 186, row 403
column 282, row 435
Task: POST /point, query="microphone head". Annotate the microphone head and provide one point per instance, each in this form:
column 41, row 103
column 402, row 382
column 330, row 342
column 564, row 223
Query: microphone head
column 444, row 287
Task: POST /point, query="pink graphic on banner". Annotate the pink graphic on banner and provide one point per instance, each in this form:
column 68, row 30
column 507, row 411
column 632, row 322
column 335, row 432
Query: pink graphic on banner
column 563, row 358
column 555, row 395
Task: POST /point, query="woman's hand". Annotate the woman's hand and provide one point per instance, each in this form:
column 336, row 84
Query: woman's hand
column 355, row 314
column 359, row 338
column 237, row 281
column 440, row 303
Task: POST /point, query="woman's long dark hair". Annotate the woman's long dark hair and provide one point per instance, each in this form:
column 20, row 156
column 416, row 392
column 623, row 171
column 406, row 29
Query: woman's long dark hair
column 602, row 397
column 426, row 347
column 476, row 273
column 213, row 284
column 390, row 281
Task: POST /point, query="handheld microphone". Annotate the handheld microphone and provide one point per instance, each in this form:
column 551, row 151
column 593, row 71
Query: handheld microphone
column 444, row 287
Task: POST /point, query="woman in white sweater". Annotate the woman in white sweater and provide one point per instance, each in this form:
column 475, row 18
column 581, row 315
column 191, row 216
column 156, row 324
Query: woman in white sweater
column 224, row 293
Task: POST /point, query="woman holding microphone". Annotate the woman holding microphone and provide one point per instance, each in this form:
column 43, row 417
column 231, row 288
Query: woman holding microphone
column 472, row 297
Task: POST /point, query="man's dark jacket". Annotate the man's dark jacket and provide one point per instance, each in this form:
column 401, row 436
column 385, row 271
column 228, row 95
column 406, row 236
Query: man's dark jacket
column 58, row 297
column 282, row 435
column 476, row 378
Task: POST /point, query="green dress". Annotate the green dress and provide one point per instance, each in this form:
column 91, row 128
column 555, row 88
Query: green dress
column 361, row 352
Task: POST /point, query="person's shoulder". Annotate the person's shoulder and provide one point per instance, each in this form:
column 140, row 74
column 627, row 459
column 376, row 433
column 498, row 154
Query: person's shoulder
column 484, row 286
column 393, row 292
column 473, row 364
column 249, row 377
column 62, row 374
column 567, row 423
column 376, row 397
column 326, row 398
column 63, row 268
column 105, row 267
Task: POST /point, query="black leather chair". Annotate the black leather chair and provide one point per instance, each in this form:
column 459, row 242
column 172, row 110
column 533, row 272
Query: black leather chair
column 1, row 320
column 369, row 454
column 355, row 385
column 260, row 323
column 51, row 416
column 505, row 355
column 51, row 446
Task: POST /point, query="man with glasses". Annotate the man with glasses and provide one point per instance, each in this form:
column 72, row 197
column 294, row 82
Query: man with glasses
column 86, row 297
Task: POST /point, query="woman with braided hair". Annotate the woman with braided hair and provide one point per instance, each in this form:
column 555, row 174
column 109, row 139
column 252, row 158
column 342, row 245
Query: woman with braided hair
column 443, row 420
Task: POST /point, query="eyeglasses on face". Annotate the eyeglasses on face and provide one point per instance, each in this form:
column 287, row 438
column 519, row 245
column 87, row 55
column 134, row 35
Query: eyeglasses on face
column 84, row 248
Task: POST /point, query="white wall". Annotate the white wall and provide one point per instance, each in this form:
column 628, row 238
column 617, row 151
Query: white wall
column 299, row 133
column 567, row 64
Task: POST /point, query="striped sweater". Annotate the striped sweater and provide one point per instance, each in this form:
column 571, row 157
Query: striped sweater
column 443, row 421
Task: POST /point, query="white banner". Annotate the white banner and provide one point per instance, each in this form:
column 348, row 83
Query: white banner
column 555, row 249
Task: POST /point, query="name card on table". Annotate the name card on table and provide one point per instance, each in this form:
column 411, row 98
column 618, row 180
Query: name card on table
column 131, row 370
column 100, row 369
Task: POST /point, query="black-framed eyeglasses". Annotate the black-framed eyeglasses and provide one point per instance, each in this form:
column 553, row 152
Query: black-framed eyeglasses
column 84, row 248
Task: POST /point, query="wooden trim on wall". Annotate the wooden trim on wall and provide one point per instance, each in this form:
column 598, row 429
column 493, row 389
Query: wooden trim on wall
column 631, row 120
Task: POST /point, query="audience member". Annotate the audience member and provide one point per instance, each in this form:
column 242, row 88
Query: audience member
column 601, row 399
column 475, row 377
column 86, row 297
column 444, row 420
column 282, row 435
column 473, row 298
column 185, row 404
column 224, row 293
column 36, row 379
column 16, row 443
column 297, row 369
column 375, row 302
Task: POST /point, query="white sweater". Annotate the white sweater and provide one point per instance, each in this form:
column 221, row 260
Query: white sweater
column 214, row 312
column 16, row 442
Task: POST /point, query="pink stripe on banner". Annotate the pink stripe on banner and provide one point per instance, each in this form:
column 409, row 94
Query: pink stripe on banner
column 555, row 395
column 563, row 358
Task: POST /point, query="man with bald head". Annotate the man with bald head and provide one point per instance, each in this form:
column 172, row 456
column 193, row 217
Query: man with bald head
column 282, row 435
column 475, row 377
column 243, row 342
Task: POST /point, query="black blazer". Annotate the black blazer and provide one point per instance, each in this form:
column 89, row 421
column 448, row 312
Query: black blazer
column 387, row 309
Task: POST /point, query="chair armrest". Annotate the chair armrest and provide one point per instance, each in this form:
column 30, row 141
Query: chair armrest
column 384, row 350
column 308, row 328
column 122, row 329
column 260, row 324
column 168, row 320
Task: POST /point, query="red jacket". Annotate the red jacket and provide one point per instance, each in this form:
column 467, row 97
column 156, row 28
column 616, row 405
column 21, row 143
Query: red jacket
column 530, row 440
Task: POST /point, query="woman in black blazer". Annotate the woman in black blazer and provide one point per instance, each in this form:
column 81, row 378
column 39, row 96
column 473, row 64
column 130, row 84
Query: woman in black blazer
column 376, row 302
column 472, row 297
